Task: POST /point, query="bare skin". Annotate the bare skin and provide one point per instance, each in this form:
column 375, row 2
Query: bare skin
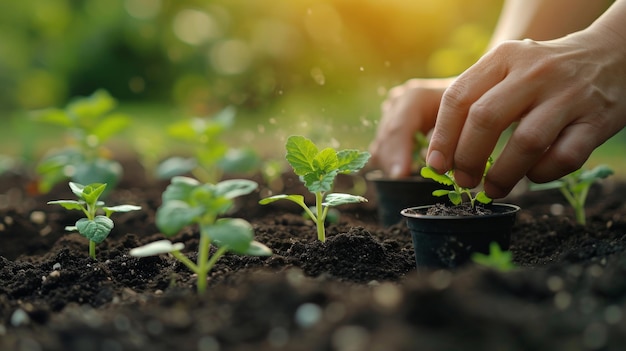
column 563, row 93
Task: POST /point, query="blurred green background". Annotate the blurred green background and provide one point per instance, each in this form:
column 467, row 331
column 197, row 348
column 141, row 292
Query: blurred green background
column 314, row 67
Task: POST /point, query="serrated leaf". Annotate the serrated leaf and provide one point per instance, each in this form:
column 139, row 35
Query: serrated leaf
column 233, row 188
column 430, row 173
column 325, row 161
column 320, row 182
column 234, row 233
column 351, row 160
column 174, row 215
column 95, row 230
column 336, row 199
column 300, row 154
column 68, row 204
column 175, row 166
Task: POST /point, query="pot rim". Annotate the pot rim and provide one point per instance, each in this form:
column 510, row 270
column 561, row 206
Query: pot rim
column 512, row 209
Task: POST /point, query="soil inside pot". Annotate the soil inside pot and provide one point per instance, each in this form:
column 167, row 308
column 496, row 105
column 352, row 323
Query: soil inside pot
column 463, row 209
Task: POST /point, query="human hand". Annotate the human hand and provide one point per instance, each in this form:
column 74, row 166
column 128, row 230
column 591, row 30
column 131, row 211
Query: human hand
column 567, row 95
column 409, row 108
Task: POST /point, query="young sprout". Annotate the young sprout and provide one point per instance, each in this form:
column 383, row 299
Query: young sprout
column 186, row 201
column 94, row 227
column 318, row 169
column 456, row 195
column 89, row 122
column 211, row 156
column 575, row 187
column 496, row 259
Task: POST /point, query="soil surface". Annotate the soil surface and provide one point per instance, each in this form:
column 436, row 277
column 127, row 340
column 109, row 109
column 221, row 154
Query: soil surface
column 358, row 291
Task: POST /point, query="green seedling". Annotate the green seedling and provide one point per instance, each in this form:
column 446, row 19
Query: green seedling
column 94, row 227
column 496, row 259
column 186, row 201
column 211, row 156
column 575, row 187
column 89, row 122
column 456, row 194
column 421, row 144
column 318, row 169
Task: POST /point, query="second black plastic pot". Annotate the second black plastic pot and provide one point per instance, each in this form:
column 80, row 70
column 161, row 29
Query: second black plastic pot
column 450, row 241
column 394, row 195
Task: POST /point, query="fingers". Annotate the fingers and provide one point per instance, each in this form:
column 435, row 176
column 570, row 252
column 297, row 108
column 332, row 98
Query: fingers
column 409, row 108
column 466, row 108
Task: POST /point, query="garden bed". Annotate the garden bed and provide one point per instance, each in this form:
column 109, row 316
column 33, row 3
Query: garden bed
column 357, row 291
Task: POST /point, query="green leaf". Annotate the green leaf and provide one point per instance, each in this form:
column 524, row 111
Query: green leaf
column 183, row 130
column 325, row 161
column 175, row 166
column 455, row 197
column 54, row 116
column 300, row 154
column 110, row 126
column 68, row 204
column 122, row 208
column 299, row 199
column 174, row 215
column 599, row 172
column 180, row 188
column 483, row 198
column 89, row 108
column 320, row 182
column 239, row 161
column 337, row 199
column 351, row 160
column 258, row 249
column 429, row 173
column 555, row 184
column 441, row 192
column 92, row 192
column 98, row 171
column 233, row 188
column 234, row 233
column 77, row 189
column 95, row 230
column 156, row 248
column 226, row 117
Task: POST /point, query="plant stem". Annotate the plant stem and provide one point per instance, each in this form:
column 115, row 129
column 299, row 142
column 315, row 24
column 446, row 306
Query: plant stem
column 321, row 231
column 186, row 261
column 92, row 249
column 202, row 262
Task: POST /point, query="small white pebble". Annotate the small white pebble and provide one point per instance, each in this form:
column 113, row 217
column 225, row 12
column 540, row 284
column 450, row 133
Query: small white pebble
column 19, row 318
column 38, row 217
column 56, row 266
column 308, row 314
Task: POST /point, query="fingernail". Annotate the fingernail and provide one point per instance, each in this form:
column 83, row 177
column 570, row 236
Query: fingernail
column 464, row 179
column 396, row 171
column 435, row 160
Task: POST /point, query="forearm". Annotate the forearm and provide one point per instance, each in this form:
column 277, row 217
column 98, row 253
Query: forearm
column 545, row 19
column 612, row 25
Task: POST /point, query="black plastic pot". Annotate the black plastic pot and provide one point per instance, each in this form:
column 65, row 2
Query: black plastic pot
column 394, row 195
column 450, row 241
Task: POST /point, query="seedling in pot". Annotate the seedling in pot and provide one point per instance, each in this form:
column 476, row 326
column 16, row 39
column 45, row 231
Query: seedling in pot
column 211, row 155
column 89, row 122
column 318, row 169
column 496, row 259
column 456, row 194
column 575, row 187
column 94, row 227
column 186, row 201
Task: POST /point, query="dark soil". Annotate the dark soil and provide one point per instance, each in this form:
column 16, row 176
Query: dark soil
column 358, row 291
